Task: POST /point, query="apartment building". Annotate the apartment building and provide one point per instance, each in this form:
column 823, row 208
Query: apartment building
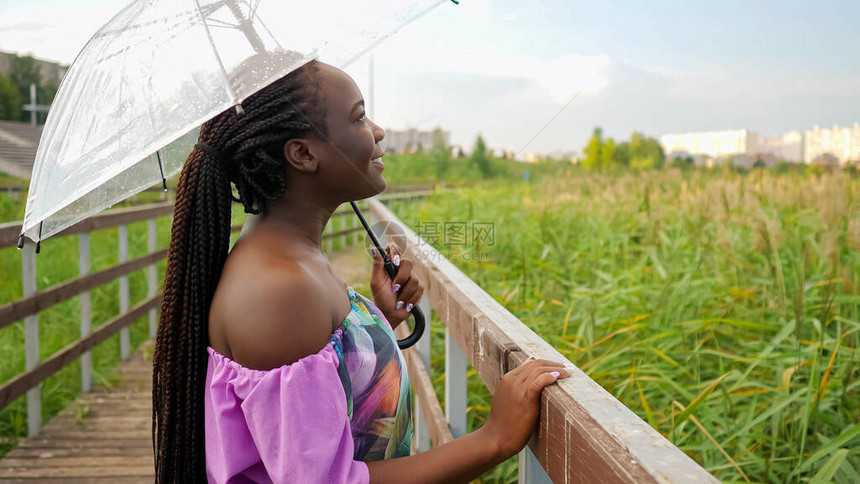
column 787, row 147
column 842, row 143
column 712, row 143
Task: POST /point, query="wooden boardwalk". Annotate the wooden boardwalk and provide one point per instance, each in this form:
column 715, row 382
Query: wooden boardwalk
column 103, row 437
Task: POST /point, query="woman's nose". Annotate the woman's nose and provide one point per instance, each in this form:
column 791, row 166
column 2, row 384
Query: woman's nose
column 378, row 132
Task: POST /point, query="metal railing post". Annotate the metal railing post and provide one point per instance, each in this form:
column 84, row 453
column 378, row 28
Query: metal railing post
column 124, row 335
column 343, row 226
column 153, row 271
column 530, row 470
column 455, row 386
column 329, row 241
column 31, row 339
column 86, row 312
column 422, row 432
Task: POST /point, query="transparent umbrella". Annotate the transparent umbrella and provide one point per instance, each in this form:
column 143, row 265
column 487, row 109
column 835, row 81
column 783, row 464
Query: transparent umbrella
column 127, row 114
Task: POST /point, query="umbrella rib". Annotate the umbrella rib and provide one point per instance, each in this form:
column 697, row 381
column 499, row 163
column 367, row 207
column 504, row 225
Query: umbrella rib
column 217, row 56
column 221, row 23
column 253, row 14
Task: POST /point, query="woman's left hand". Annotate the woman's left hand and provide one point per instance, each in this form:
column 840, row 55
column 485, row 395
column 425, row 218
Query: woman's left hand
column 395, row 298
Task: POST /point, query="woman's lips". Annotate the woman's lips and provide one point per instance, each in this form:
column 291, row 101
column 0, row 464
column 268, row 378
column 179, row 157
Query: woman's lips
column 378, row 163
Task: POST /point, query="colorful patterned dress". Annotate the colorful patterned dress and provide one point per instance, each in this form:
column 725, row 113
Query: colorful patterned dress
column 317, row 420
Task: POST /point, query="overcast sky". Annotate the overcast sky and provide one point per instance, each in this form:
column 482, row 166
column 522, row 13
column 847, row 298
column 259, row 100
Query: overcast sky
column 504, row 68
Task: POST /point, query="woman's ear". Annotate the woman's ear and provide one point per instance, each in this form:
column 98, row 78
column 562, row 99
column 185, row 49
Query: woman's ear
column 299, row 153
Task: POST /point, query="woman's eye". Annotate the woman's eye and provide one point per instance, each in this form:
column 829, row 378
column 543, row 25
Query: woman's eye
column 362, row 117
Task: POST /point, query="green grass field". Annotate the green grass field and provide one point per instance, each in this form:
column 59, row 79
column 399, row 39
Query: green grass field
column 734, row 297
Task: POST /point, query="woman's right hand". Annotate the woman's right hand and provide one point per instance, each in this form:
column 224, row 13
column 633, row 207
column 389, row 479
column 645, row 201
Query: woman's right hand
column 516, row 404
column 513, row 416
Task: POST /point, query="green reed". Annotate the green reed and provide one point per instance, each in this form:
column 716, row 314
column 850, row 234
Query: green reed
column 722, row 309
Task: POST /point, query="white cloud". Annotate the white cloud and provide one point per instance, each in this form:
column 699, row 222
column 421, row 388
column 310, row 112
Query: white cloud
column 479, row 39
column 54, row 30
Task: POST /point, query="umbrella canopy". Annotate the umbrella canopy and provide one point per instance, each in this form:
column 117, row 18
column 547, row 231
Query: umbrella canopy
column 127, row 113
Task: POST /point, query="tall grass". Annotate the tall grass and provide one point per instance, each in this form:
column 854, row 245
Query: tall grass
column 722, row 309
column 426, row 168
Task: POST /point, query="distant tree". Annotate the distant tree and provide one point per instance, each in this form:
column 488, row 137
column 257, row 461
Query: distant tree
column 622, row 154
column 607, row 152
column 656, row 151
column 10, row 100
column 441, row 153
column 24, row 71
column 593, row 150
column 49, row 92
column 683, row 163
column 641, row 163
column 645, row 152
column 480, row 158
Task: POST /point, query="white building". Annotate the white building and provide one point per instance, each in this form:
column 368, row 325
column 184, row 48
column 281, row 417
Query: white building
column 712, row 143
column 788, row 146
column 843, row 143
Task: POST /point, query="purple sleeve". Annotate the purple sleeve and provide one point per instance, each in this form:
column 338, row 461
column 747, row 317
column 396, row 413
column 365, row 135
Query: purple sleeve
column 286, row 425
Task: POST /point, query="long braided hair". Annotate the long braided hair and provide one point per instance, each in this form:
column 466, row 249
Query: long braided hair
column 241, row 149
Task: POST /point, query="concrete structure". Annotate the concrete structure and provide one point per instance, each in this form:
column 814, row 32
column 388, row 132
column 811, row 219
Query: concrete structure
column 400, row 141
column 842, row 143
column 788, row 146
column 52, row 72
column 18, row 143
column 712, row 143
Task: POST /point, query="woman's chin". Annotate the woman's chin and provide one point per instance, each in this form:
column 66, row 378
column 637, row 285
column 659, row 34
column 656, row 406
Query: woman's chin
column 383, row 183
column 374, row 188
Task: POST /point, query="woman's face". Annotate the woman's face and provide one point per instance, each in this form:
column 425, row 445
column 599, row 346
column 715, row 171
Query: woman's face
column 350, row 160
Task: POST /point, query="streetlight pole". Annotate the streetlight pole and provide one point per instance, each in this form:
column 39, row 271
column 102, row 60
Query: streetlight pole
column 33, row 107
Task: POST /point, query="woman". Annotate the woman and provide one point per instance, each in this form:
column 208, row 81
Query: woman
column 267, row 367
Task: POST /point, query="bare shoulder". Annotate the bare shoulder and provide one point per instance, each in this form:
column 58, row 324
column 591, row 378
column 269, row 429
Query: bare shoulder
column 269, row 313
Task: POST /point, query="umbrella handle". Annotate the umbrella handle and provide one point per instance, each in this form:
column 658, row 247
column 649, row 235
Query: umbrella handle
column 391, row 270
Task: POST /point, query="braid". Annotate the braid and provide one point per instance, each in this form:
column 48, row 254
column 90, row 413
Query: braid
column 251, row 158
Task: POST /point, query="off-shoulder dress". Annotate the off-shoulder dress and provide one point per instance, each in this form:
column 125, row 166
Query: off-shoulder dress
column 317, row 420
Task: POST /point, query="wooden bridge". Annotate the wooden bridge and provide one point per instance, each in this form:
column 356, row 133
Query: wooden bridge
column 584, row 434
column 103, row 437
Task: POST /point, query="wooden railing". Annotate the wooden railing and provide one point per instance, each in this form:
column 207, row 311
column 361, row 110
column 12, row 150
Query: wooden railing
column 584, row 433
column 343, row 227
column 35, row 301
